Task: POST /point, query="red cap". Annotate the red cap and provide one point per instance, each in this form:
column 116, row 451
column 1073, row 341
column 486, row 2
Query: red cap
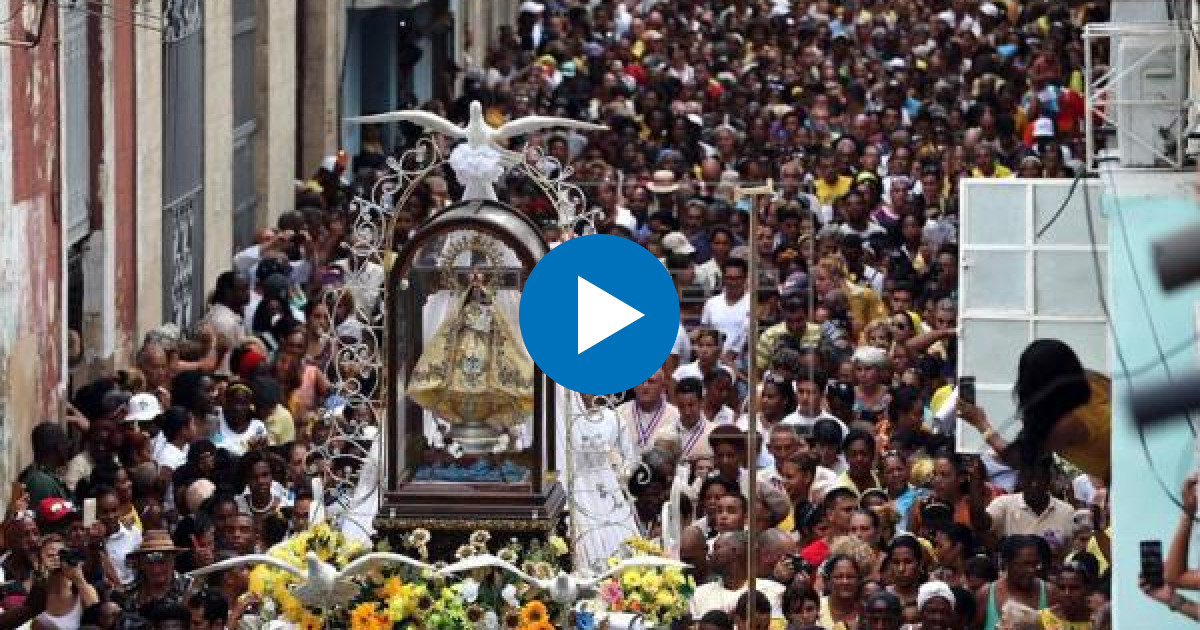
column 56, row 511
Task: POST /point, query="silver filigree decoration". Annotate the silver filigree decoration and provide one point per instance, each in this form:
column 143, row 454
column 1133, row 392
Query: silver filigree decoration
column 358, row 366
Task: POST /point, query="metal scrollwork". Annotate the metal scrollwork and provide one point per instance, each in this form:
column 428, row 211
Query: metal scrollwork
column 357, row 359
column 182, row 19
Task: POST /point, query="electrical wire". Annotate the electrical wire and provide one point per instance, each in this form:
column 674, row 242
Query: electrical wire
column 112, row 17
column 1062, row 208
column 1141, row 290
column 1100, row 295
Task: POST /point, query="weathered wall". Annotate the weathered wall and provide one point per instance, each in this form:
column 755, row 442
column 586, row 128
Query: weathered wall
column 218, row 140
column 321, row 65
column 148, row 59
column 30, row 242
column 275, row 153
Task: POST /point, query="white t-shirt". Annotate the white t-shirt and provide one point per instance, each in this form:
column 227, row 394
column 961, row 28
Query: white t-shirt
column 118, row 546
column 170, row 456
column 238, row 443
column 714, row 596
column 683, row 345
column 731, row 319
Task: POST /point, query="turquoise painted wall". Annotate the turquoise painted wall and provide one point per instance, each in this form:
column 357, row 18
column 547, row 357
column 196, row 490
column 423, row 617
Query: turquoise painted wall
column 1142, row 510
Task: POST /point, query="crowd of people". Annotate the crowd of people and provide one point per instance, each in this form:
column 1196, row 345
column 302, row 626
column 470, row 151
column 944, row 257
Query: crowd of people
column 864, row 114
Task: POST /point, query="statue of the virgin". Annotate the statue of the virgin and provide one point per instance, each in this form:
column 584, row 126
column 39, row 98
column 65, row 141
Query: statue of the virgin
column 473, row 372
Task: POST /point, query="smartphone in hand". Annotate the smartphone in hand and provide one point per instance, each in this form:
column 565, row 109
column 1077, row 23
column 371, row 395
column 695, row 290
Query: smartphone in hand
column 1152, row 563
column 966, row 389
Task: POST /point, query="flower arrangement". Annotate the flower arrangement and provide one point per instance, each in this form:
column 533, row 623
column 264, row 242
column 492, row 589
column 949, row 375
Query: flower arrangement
column 659, row 595
column 272, row 585
column 403, row 597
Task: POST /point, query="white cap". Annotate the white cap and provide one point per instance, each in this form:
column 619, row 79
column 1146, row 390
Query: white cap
column 143, row 408
column 529, row 6
column 1043, row 128
column 929, row 590
column 989, row 9
column 677, row 243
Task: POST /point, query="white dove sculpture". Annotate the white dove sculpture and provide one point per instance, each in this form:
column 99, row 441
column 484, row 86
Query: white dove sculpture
column 321, row 586
column 482, row 159
column 565, row 588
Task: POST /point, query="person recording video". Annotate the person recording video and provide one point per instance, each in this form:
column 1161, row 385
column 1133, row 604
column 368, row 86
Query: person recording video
column 1164, row 582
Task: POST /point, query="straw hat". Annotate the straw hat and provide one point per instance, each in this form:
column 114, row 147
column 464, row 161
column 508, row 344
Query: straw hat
column 156, row 541
column 663, row 182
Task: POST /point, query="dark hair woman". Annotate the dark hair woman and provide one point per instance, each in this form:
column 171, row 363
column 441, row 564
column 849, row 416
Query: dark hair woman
column 1065, row 409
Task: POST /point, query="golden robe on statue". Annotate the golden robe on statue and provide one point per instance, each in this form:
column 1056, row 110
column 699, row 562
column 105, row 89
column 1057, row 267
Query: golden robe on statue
column 473, row 369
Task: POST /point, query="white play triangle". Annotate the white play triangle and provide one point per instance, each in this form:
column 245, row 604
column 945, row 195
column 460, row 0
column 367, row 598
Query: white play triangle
column 601, row 315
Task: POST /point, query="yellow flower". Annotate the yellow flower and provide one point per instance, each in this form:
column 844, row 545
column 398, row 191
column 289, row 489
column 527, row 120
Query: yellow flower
column 613, row 562
column 363, row 615
column 666, row 599
column 541, row 625
column 673, row 578
column 558, row 546
column 533, row 612
column 651, row 583
column 311, row 622
column 631, row 579
column 391, row 588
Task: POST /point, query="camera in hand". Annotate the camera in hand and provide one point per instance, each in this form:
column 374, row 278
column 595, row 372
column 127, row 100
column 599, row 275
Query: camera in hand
column 70, row 557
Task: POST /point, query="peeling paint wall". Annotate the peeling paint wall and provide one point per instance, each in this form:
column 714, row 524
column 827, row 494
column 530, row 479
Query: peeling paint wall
column 30, row 244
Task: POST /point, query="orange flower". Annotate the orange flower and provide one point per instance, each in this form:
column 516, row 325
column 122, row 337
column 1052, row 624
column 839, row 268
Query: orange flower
column 533, row 613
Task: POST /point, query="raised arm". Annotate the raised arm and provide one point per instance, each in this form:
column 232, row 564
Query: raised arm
column 1175, row 569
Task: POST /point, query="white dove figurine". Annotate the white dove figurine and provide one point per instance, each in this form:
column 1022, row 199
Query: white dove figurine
column 478, row 133
column 565, row 588
column 482, row 160
column 321, row 586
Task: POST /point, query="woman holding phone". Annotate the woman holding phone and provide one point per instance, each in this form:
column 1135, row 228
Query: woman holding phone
column 68, row 593
column 1175, row 574
column 1064, row 408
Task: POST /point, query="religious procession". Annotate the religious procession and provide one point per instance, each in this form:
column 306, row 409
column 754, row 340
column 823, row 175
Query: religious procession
column 747, row 397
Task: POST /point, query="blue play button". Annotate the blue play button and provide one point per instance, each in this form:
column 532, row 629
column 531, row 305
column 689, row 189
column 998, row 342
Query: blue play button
column 599, row 314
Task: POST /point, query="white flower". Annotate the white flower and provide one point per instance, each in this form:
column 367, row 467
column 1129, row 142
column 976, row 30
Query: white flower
column 490, row 621
column 464, row 552
column 436, row 441
column 419, row 537
column 469, row 590
column 509, row 595
column 455, row 450
column 480, row 537
column 501, row 443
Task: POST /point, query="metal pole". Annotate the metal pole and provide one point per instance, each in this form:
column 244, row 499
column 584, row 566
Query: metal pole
column 752, row 406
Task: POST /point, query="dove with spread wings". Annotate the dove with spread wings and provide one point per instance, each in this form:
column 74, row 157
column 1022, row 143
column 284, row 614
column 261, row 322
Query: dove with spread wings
column 321, row 585
column 564, row 588
column 478, row 133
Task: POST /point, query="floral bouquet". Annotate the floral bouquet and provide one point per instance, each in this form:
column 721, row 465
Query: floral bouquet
column 272, row 585
column 658, row 595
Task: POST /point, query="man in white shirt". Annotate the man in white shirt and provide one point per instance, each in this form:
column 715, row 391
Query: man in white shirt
column 1033, row 510
column 728, row 559
column 809, row 385
column 229, row 300
column 729, row 310
column 648, row 412
column 688, row 436
column 120, row 539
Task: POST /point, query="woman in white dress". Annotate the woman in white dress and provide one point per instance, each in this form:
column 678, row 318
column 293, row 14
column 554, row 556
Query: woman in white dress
column 601, row 455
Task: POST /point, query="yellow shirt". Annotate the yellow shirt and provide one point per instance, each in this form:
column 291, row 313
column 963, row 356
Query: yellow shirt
column 827, row 192
column 772, row 335
column 1094, row 456
column 999, row 171
column 1050, row 621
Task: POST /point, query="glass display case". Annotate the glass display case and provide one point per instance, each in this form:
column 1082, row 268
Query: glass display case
column 471, row 419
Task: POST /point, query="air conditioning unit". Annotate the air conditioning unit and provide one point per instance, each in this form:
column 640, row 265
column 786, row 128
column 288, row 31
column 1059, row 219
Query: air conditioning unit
column 1149, row 95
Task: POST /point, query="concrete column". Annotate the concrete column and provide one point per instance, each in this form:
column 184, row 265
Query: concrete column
column 148, row 59
column 324, row 34
column 275, row 140
column 218, row 139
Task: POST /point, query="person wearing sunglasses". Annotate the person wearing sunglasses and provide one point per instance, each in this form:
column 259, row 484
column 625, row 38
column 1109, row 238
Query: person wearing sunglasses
column 157, row 582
